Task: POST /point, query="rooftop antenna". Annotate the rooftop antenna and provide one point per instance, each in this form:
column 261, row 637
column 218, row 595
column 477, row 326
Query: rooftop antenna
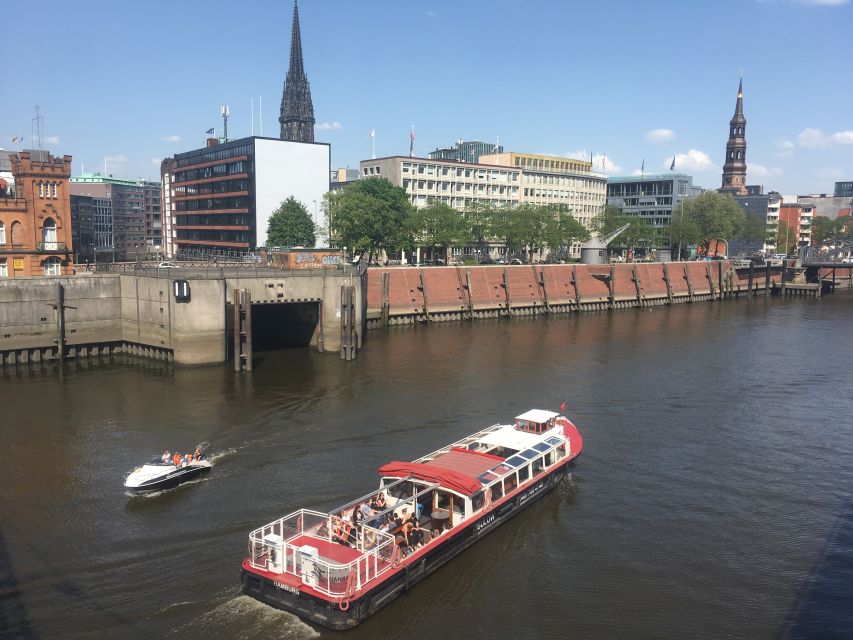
column 252, row 108
column 261, row 114
column 37, row 128
column 225, row 111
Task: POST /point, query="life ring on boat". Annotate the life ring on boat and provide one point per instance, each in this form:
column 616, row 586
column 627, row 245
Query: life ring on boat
column 344, row 605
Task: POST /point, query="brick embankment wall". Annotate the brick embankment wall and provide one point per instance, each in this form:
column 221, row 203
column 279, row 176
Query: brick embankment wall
column 402, row 295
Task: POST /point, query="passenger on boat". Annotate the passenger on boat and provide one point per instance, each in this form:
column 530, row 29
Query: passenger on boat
column 197, row 454
column 166, row 457
column 378, row 502
column 176, row 459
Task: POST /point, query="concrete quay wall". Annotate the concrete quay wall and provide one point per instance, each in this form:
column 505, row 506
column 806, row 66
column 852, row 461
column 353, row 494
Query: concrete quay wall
column 401, row 295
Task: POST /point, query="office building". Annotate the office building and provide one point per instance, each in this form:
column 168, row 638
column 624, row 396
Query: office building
column 764, row 207
column 795, row 223
column 466, row 151
column 35, row 218
column 653, row 199
column 340, row 178
column 217, row 200
column 829, row 206
column 83, row 228
column 844, row 189
column 118, row 206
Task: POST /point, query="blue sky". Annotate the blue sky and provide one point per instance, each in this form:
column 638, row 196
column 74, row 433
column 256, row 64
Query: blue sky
column 637, row 81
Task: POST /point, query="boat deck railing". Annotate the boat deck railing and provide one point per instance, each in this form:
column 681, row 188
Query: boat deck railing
column 272, row 549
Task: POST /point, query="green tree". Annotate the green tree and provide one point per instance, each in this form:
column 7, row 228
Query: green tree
column 290, row 225
column 479, row 219
column 751, row 228
column 370, row 216
column 507, row 227
column 716, row 215
column 682, row 231
column 562, row 231
column 438, row 225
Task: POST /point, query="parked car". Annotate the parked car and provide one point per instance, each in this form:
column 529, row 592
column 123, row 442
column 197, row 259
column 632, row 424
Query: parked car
column 167, row 265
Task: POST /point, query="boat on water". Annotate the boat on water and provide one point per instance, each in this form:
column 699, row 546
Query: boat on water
column 158, row 475
column 335, row 569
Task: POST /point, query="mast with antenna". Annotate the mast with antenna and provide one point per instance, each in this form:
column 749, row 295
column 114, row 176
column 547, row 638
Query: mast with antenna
column 225, row 111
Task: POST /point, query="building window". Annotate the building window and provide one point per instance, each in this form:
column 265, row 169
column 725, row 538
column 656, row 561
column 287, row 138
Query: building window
column 41, row 190
column 2, row 233
column 48, row 234
column 52, row 266
column 52, row 189
column 4, row 270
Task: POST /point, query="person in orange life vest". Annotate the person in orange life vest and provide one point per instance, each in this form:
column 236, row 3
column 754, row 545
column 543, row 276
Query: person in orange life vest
column 176, row 459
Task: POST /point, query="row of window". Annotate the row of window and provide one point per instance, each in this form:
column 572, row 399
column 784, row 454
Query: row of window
column 564, row 195
column 215, row 220
column 47, row 189
column 220, row 186
column 217, row 154
column 226, row 169
column 561, row 166
column 215, row 235
column 453, row 187
column 48, row 232
column 204, row 204
column 473, row 173
column 734, row 155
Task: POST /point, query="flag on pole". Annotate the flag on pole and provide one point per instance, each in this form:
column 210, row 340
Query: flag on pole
column 643, row 166
column 412, row 142
column 372, row 133
column 603, row 161
column 562, row 406
column 672, row 166
column 209, row 132
column 15, row 139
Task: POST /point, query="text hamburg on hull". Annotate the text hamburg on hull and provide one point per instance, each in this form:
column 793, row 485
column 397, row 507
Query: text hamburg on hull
column 335, row 569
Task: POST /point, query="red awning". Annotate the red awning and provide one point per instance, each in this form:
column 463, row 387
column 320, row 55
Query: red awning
column 448, row 478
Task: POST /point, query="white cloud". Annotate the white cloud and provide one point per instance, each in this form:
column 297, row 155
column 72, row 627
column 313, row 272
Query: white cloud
column 660, row 135
column 327, row 126
column 786, row 148
column 52, row 139
column 693, row 160
column 172, row 138
column 828, row 173
column 760, row 171
column 156, row 161
column 580, row 154
column 116, row 159
column 812, row 138
column 609, row 166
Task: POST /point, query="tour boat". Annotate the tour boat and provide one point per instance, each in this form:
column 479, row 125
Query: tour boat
column 157, row 475
column 336, row 569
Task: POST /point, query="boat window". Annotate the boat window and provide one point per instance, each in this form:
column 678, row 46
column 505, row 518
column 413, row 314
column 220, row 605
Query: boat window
column 538, row 466
column 541, row 447
column 549, row 458
column 516, row 461
column 497, row 491
column 501, row 469
column 529, row 454
column 477, row 501
column 402, row 491
column 523, row 474
column 510, row 483
column 487, row 477
column 553, row 441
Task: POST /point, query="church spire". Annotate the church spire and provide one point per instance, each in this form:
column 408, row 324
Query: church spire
column 734, row 169
column 297, row 110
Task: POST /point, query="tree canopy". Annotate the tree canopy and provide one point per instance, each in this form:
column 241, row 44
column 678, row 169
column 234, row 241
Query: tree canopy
column 438, row 225
column 370, row 216
column 717, row 216
column 290, row 225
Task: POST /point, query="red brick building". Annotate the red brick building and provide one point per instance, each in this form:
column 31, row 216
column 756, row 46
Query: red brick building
column 35, row 219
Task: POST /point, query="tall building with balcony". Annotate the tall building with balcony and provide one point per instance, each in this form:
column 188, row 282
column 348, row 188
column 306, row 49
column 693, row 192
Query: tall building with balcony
column 35, row 219
column 795, row 223
column 653, row 199
column 844, row 189
column 217, row 200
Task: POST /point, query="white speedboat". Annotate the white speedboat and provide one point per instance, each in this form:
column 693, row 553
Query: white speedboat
column 157, row 475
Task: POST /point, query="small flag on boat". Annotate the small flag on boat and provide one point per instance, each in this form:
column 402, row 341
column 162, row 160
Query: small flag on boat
column 562, row 406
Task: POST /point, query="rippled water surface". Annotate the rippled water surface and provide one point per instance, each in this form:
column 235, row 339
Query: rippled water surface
column 713, row 498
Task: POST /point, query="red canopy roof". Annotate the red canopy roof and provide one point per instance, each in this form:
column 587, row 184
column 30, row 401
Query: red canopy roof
column 448, row 478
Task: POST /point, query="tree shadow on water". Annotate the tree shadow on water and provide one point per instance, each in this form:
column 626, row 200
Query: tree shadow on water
column 824, row 606
column 14, row 621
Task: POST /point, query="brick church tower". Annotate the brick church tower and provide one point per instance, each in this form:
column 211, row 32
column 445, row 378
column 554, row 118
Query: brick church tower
column 297, row 110
column 734, row 170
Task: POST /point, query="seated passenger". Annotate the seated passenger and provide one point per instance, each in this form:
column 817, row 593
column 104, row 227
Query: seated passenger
column 197, row 454
column 176, row 459
column 380, row 501
column 166, row 457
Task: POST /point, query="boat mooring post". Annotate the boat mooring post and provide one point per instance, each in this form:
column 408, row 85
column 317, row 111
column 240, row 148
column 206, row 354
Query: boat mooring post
column 751, row 278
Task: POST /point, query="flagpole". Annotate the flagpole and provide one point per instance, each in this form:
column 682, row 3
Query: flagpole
column 252, row 109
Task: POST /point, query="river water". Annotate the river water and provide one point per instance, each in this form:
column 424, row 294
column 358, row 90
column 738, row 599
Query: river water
column 713, row 498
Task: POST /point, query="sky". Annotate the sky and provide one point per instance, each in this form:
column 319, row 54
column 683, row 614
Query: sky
column 634, row 83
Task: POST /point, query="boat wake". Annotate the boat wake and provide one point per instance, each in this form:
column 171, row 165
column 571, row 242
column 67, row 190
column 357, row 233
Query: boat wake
column 221, row 455
column 245, row 618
